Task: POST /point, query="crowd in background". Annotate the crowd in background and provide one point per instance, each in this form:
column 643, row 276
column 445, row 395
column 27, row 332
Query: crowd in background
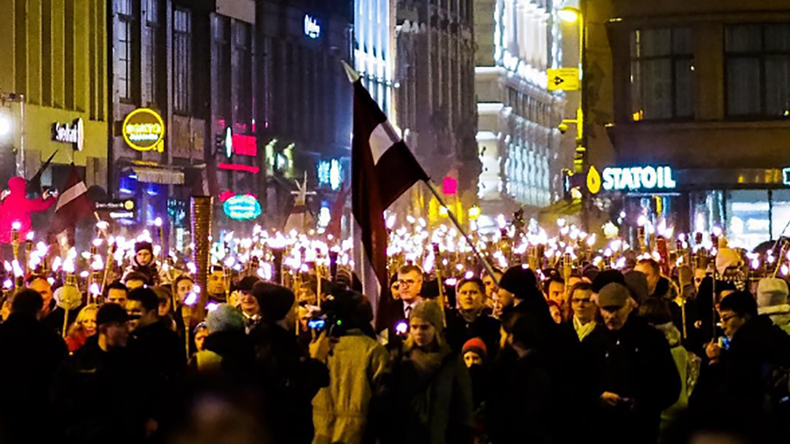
column 612, row 356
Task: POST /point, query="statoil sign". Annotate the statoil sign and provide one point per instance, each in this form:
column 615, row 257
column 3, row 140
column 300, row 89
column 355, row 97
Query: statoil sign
column 144, row 130
column 242, row 207
column 639, row 178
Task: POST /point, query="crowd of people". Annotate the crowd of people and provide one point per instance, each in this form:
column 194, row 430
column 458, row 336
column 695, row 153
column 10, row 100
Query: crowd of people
column 616, row 356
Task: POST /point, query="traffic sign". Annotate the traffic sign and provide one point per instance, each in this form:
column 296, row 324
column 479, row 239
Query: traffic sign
column 563, row 79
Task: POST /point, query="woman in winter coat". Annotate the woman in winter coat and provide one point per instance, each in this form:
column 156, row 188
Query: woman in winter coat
column 472, row 318
column 430, row 389
column 83, row 328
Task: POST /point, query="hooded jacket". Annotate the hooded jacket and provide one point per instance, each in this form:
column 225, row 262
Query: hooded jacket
column 16, row 207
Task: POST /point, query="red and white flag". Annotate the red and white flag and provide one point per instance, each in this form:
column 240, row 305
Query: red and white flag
column 73, row 203
column 382, row 169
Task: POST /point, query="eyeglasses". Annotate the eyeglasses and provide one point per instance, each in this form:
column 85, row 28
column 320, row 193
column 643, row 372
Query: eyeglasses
column 407, row 282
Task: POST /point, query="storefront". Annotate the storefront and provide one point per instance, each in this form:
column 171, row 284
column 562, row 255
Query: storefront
column 750, row 206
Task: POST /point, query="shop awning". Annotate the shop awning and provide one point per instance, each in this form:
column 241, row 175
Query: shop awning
column 164, row 176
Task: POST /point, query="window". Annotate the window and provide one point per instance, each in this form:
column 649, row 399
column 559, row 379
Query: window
column 124, row 47
column 242, row 77
column 662, row 68
column 758, row 70
column 182, row 61
column 150, row 50
column 221, row 67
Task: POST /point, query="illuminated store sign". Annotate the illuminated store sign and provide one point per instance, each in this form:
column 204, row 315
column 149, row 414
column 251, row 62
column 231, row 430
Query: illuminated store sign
column 638, row 178
column 242, row 207
column 311, row 27
column 330, row 173
column 786, row 176
column 70, row 133
column 144, row 130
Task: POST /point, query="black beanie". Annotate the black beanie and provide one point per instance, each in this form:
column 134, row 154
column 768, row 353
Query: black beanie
column 519, row 281
column 275, row 301
column 607, row 277
column 143, row 245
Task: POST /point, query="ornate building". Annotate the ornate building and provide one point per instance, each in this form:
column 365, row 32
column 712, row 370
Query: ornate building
column 435, row 80
column 519, row 143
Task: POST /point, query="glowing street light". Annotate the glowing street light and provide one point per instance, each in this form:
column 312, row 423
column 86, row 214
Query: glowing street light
column 5, row 125
column 569, row 14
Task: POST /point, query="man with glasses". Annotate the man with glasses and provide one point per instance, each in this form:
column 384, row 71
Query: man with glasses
column 410, row 279
column 584, row 309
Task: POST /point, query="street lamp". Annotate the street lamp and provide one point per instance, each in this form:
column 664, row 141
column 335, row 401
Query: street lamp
column 569, row 14
column 5, row 125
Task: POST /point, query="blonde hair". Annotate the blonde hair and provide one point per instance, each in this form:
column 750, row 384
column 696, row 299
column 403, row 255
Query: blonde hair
column 83, row 314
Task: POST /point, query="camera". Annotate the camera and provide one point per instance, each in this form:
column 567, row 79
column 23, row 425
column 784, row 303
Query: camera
column 343, row 309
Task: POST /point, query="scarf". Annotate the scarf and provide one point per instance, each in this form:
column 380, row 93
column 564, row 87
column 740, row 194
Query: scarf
column 583, row 330
column 469, row 315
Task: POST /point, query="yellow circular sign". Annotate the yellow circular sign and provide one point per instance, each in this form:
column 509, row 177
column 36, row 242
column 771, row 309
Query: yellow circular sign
column 128, row 205
column 144, row 130
column 593, row 180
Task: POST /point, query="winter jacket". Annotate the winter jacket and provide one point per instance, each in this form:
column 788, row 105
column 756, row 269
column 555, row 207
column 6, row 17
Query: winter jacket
column 16, row 207
column 523, row 406
column 743, row 374
column 459, row 330
column 103, row 396
column 289, row 380
column 340, row 411
column 681, row 358
column 430, row 408
column 634, row 362
column 161, row 348
column 31, row 354
column 779, row 314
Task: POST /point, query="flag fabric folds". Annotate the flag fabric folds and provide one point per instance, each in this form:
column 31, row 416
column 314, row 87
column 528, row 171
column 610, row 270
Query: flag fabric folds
column 73, row 203
column 383, row 168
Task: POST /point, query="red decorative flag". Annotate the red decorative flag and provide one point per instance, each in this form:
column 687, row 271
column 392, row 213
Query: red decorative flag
column 382, row 169
column 73, row 203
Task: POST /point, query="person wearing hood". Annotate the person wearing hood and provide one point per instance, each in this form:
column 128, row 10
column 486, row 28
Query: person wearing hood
column 430, row 387
column 227, row 350
column 144, row 262
column 16, row 208
column 471, row 319
column 772, row 301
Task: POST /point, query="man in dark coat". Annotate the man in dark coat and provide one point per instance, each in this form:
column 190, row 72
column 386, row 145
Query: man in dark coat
column 31, row 354
column 288, row 376
column 634, row 373
column 745, row 375
column 103, row 393
column 152, row 339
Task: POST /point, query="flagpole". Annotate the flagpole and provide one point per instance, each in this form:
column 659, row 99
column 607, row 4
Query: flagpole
column 486, row 264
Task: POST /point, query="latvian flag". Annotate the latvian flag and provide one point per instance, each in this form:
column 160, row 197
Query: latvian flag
column 73, row 203
column 382, row 169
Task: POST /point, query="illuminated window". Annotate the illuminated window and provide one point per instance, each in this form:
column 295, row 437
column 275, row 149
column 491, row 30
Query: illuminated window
column 151, row 51
column 662, row 68
column 124, row 47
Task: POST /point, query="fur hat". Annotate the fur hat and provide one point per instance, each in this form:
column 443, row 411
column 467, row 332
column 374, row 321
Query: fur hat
column 224, row 318
column 143, row 245
column 430, row 312
column 771, row 292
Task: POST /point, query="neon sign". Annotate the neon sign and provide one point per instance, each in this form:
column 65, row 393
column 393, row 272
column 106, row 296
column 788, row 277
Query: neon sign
column 74, row 133
column 144, row 130
column 638, row 178
column 311, row 27
column 242, row 207
column 330, row 172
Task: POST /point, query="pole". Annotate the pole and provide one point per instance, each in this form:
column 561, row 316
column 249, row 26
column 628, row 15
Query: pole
column 486, row 264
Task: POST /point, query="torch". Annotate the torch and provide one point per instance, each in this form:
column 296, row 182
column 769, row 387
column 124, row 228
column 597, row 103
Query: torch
column 15, row 227
column 201, row 230
column 28, row 250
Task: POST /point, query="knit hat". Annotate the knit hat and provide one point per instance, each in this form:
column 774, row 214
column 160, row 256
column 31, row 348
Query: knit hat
column 275, row 301
column 476, row 345
column 430, row 312
column 607, row 277
column 771, row 292
column 143, row 245
column 111, row 314
column 637, row 285
column 613, row 295
column 224, row 318
column 726, row 258
column 518, row 280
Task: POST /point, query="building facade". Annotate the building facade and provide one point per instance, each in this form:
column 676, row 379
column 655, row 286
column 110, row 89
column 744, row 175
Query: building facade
column 304, row 97
column 374, row 50
column 436, row 96
column 701, row 88
column 53, row 90
column 182, row 106
column 519, row 143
